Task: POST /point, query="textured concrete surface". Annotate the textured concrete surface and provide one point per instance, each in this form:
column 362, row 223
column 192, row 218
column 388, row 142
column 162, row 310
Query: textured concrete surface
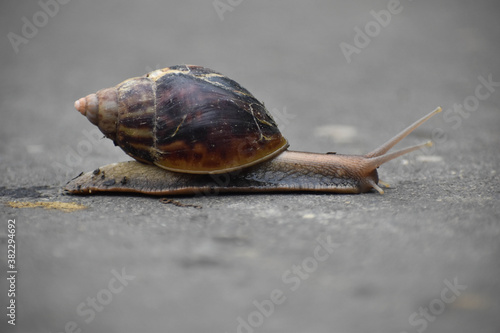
column 424, row 257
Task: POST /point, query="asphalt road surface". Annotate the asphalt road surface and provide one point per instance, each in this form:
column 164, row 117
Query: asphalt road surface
column 343, row 77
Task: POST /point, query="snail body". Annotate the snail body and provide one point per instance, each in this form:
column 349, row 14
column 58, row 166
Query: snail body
column 193, row 130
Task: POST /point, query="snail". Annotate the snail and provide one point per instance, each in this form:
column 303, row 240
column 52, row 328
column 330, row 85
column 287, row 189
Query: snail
column 192, row 130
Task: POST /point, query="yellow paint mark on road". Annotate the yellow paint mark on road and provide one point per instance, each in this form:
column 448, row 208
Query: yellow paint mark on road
column 67, row 207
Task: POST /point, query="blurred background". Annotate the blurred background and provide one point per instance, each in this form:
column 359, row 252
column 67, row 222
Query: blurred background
column 337, row 76
column 288, row 54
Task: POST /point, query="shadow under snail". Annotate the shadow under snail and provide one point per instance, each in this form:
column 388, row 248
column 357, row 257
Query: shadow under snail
column 193, row 130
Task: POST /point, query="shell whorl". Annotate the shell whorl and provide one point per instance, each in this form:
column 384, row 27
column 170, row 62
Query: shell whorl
column 187, row 119
column 101, row 109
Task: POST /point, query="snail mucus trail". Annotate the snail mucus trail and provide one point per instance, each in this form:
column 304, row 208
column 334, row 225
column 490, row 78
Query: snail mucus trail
column 193, row 130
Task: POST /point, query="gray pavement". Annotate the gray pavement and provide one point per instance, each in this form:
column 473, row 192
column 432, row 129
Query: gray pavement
column 423, row 257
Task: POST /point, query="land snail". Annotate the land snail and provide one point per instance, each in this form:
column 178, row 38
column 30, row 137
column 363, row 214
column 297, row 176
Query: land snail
column 192, row 130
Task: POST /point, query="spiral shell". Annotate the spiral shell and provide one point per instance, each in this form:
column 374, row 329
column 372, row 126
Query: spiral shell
column 185, row 119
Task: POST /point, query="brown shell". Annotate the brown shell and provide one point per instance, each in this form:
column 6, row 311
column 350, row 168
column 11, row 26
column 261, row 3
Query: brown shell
column 186, row 119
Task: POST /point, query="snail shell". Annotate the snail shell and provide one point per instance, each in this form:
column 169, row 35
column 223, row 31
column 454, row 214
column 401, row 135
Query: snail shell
column 186, row 119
